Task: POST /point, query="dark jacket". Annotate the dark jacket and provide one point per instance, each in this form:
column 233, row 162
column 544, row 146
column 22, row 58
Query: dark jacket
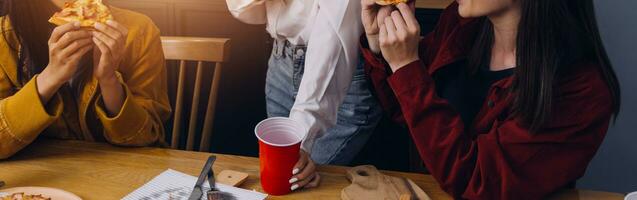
column 496, row 157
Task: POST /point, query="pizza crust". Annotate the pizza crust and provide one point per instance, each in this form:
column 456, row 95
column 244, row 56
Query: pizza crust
column 87, row 12
column 58, row 21
column 390, row 2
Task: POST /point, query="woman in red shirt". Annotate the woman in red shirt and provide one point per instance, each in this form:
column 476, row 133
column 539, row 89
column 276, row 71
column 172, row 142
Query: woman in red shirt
column 505, row 99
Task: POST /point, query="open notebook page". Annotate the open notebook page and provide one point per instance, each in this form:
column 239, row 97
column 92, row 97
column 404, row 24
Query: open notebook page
column 174, row 185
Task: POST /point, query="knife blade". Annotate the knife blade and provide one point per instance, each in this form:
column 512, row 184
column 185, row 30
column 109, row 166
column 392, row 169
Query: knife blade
column 196, row 194
column 197, row 191
column 212, row 181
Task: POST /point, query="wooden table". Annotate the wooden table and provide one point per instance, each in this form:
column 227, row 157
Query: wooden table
column 102, row 171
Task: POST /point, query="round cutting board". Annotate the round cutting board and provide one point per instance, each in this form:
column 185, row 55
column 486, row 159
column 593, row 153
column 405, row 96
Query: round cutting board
column 369, row 184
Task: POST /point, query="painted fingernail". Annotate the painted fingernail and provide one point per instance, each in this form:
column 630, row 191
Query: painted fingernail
column 99, row 25
column 294, row 187
column 295, row 171
column 294, row 180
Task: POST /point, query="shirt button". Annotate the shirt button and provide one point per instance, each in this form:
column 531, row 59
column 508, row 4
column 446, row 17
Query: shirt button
column 490, row 104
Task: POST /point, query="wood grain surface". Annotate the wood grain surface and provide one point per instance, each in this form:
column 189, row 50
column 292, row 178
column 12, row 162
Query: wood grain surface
column 102, row 171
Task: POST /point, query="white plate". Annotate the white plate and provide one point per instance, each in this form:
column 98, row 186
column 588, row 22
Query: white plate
column 52, row 193
column 631, row 196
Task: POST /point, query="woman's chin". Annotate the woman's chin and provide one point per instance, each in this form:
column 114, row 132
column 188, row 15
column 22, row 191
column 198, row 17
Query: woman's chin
column 464, row 12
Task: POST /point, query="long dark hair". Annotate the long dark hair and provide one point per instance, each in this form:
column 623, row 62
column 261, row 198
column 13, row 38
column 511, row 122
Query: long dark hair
column 30, row 26
column 552, row 36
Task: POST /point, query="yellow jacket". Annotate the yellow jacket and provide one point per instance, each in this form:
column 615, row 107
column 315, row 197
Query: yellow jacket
column 79, row 114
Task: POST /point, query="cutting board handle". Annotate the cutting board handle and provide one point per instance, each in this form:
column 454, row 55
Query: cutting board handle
column 370, row 184
column 367, row 176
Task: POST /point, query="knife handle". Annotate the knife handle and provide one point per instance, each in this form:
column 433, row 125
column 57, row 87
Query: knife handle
column 206, row 169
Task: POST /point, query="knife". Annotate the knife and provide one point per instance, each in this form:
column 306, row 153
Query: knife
column 197, row 191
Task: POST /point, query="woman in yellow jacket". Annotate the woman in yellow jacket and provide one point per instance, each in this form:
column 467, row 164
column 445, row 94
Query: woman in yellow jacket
column 106, row 84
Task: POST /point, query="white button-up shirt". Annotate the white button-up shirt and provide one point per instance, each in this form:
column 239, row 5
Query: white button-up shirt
column 330, row 29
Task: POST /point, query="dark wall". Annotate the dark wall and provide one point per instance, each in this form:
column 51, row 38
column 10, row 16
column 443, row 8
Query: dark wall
column 614, row 168
column 241, row 102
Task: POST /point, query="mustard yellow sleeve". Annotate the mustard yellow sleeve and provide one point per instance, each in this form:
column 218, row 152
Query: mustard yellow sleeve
column 146, row 107
column 23, row 117
column 133, row 125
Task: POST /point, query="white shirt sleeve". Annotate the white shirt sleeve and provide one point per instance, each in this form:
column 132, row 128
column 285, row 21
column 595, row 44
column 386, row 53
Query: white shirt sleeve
column 248, row 11
column 330, row 61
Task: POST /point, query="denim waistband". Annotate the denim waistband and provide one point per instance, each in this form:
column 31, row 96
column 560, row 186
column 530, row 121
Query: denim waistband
column 283, row 48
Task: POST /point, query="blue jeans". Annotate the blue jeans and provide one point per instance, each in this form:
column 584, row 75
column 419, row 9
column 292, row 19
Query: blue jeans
column 357, row 117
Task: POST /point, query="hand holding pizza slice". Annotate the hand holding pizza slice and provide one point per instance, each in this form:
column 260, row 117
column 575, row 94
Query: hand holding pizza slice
column 87, row 12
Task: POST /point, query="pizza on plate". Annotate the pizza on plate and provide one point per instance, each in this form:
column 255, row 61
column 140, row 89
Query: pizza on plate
column 390, row 2
column 87, row 12
column 22, row 196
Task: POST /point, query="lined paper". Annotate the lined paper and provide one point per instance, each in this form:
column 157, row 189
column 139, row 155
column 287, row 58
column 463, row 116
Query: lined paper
column 174, row 185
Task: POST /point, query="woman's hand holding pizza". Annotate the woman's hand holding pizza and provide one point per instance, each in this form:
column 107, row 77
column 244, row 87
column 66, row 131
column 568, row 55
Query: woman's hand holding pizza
column 399, row 37
column 370, row 14
column 67, row 45
column 110, row 40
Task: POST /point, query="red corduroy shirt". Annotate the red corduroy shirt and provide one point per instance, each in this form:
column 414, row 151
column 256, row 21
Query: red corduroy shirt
column 496, row 157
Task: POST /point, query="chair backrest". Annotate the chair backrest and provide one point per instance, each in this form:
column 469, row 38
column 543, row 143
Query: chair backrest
column 200, row 50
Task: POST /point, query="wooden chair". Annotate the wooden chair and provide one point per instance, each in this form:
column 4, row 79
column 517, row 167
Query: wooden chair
column 200, row 50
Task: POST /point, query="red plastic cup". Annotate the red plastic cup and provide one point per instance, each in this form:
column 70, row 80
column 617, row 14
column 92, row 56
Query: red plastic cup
column 279, row 145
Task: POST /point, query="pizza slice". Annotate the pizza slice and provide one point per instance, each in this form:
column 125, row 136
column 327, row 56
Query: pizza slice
column 87, row 12
column 22, row 196
column 390, row 2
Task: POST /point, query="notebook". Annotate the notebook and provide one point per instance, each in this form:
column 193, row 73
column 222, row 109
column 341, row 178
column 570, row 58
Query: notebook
column 174, row 185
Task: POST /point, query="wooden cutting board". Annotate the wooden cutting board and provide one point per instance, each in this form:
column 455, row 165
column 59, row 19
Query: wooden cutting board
column 369, row 184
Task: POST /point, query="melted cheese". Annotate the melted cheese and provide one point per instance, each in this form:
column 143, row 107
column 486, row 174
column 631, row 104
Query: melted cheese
column 87, row 12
